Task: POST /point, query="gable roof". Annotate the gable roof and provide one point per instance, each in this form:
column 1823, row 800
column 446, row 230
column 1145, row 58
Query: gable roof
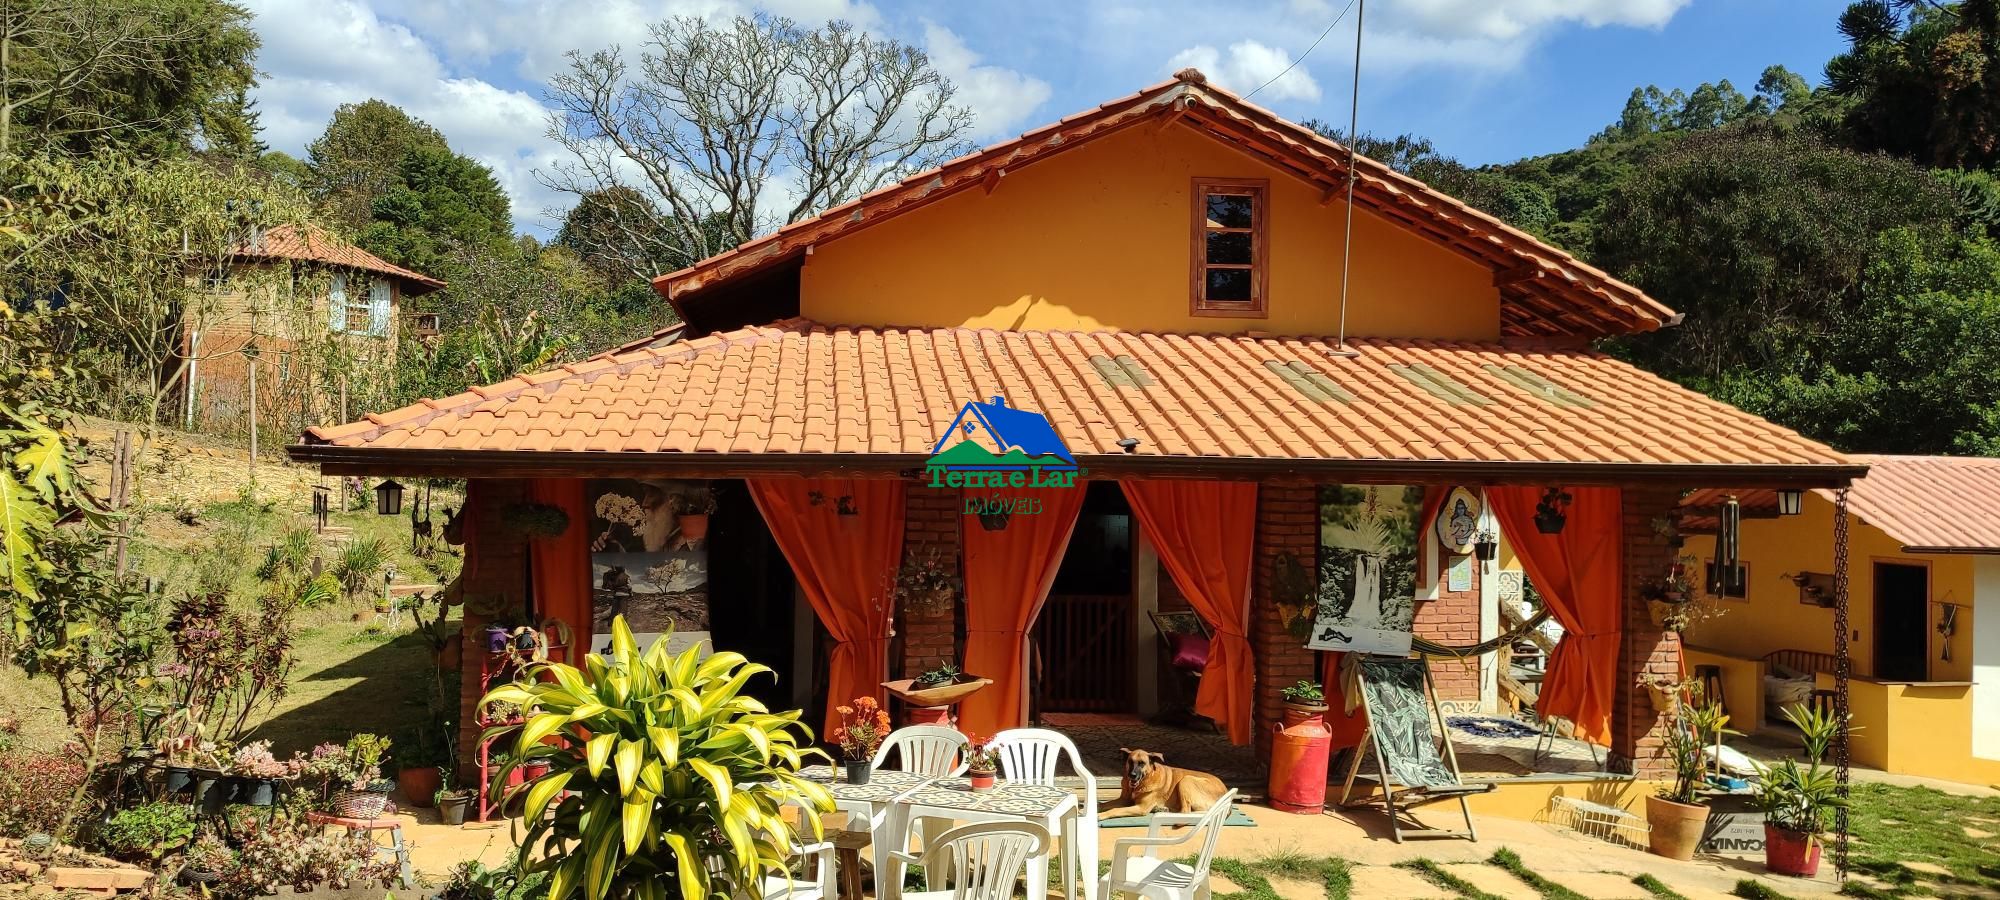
column 310, row 243
column 1544, row 291
column 1929, row 504
column 1030, row 432
column 800, row 396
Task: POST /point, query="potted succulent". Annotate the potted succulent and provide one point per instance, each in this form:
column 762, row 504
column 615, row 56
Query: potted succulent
column 206, row 859
column 1797, row 798
column 1678, row 815
column 260, row 776
column 863, row 725
column 1304, row 698
column 982, row 762
column 353, row 772
column 453, row 802
column 692, row 510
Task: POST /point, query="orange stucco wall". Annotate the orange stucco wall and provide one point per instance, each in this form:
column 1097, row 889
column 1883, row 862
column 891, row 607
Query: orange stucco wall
column 1100, row 238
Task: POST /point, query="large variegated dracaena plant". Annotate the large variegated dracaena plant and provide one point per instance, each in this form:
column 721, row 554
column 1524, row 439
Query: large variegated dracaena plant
column 670, row 778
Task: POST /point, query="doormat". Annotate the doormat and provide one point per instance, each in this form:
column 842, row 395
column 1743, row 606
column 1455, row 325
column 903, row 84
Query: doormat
column 1236, row 817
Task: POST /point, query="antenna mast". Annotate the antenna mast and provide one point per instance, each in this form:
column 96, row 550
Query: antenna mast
column 1347, row 233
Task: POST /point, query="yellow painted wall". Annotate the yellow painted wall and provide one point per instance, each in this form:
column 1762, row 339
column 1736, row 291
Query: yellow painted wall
column 1099, row 238
column 1742, row 684
column 1772, row 618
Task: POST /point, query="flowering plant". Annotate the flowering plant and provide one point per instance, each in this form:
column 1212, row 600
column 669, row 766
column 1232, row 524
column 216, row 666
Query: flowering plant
column 863, row 725
column 982, row 754
column 928, row 580
column 354, row 766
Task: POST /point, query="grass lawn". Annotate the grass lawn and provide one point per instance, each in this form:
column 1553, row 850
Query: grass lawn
column 1919, row 842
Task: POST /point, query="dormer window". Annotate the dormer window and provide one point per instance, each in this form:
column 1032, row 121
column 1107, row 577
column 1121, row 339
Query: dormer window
column 1231, row 251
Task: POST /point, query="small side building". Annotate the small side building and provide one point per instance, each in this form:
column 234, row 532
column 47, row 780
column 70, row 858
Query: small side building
column 1923, row 569
column 281, row 292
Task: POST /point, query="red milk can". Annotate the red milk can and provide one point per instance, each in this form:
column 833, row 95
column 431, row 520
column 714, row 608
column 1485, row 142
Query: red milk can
column 1299, row 754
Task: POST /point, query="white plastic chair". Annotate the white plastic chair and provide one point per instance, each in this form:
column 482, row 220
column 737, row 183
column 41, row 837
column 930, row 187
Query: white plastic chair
column 1149, row 876
column 817, row 855
column 978, row 862
column 932, row 750
column 1031, row 756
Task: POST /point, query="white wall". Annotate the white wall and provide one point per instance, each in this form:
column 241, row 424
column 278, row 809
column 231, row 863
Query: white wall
column 1986, row 657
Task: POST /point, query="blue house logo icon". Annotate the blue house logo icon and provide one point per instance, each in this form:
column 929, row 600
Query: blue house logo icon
column 993, row 445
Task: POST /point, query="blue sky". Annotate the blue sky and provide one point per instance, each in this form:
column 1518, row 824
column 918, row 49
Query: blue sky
column 1487, row 80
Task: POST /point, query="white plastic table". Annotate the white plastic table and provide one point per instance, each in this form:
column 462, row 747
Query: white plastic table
column 874, row 802
column 954, row 798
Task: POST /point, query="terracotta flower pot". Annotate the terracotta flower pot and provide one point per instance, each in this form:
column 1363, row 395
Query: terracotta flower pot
column 1788, row 852
column 419, row 785
column 1677, row 827
column 982, row 781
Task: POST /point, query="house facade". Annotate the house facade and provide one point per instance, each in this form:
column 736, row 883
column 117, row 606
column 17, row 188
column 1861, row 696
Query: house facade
column 1159, row 280
column 281, row 292
column 1923, row 569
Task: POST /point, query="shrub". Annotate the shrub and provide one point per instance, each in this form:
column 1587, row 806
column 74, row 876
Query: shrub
column 148, row 831
column 36, row 792
column 283, row 851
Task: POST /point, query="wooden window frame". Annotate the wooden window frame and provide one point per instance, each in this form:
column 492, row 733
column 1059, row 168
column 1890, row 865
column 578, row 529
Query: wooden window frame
column 1259, row 192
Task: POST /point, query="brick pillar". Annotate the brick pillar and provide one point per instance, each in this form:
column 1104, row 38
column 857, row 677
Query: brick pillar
column 1287, row 522
column 1638, row 733
column 500, row 570
column 1452, row 620
column 931, row 518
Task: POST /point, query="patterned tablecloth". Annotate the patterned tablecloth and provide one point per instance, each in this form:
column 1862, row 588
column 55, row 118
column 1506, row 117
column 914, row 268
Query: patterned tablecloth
column 884, row 785
column 1028, row 800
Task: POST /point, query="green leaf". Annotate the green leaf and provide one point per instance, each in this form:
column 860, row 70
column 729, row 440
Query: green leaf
column 24, row 523
column 628, row 765
column 716, row 778
column 637, row 816
column 693, row 882
column 598, row 751
column 543, row 790
column 539, row 727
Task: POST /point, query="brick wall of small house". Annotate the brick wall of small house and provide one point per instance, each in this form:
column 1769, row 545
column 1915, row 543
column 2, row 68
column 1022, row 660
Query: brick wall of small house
column 1287, row 525
column 931, row 518
column 1637, row 730
column 1453, row 620
column 496, row 566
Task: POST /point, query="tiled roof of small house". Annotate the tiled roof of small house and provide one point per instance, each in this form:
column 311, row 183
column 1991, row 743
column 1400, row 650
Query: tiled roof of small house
column 1544, row 291
column 799, row 391
column 1946, row 504
column 313, row 244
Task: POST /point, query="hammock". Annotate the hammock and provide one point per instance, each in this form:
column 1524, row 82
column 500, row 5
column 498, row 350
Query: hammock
column 1435, row 650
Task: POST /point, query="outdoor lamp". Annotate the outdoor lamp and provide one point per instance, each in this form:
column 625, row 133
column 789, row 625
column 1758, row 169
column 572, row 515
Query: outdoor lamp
column 388, row 498
column 1791, row 503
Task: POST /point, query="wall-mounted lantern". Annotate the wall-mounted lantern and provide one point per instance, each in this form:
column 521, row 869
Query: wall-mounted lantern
column 388, row 498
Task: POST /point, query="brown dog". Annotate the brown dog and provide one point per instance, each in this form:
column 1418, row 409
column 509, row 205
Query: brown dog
column 1150, row 785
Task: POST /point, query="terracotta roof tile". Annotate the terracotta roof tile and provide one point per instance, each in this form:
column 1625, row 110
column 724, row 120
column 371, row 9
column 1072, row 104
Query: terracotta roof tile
column 802, row 388
column 1927, row 503
column 312, row 244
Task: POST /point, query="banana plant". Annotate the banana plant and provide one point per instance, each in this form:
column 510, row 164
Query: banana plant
column 663, row 776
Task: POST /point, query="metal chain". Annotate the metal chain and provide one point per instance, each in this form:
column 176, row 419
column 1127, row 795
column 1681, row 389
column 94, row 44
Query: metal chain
column 1843, row 668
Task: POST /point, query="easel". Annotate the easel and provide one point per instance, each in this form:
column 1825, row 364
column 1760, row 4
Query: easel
column 1390, row 688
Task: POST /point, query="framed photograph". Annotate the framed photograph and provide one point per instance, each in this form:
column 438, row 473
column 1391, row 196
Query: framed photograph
column 649, row 559
column 1367, row 568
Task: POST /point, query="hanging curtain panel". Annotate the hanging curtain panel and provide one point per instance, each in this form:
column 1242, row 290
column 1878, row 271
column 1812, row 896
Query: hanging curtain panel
column 1008, row 571
column 1579, row 572
column 560, row 565
column 844, row 540
column 1205, row 533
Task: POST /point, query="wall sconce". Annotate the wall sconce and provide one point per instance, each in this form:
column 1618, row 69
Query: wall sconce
column 1791, row 503
column 388, row 498
column 1550, row 513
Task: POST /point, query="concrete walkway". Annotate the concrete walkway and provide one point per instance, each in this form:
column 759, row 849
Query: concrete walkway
column 1591, row 867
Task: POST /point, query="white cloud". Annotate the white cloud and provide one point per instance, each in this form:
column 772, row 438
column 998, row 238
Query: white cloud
column 1001, row 98
column 1248, row 66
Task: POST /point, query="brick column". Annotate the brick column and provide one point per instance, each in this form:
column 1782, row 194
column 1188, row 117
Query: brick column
column 931, row 518
column 500, row 570
column 1452, row 620
column 1638, row 733
column 1287, row 522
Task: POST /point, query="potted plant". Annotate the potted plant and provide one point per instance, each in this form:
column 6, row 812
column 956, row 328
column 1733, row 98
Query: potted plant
column 1678, row 815
column 148, row 832
column 260, row 776
column 1674, row 600
column 453, row 802
column 927, row 584
column 863, row 725
column 691, row 511
column 422, row 751
column 982, row 762
column 1305, row 698
column 353, row 773
column 678, row 787
column 206, row 859
column 1797, row 798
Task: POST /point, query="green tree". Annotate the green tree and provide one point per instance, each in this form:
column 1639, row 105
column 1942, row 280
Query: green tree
column 439, row 199
column 359, row 158
column 1921, row 80
column 157, row 77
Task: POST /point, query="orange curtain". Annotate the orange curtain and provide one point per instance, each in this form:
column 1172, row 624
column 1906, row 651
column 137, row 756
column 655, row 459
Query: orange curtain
column 561, row 565
column 1204, row 533
column 1580, row 575
column 1008, row 573
column 846, row 566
